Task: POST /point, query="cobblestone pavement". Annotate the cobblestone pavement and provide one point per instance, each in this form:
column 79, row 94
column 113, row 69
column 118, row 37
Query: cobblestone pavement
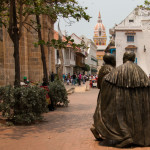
column 64, row 129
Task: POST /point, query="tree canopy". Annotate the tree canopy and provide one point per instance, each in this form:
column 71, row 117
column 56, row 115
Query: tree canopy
column 15, row 14
column 52, row 8
column 147, row 4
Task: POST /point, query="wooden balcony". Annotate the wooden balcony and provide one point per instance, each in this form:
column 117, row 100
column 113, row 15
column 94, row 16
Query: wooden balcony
column 80, row 60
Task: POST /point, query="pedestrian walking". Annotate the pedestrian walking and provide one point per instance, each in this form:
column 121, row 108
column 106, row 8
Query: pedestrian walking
column 79, row 79
column 64, row 78
column 74, row 79
column 83, row 78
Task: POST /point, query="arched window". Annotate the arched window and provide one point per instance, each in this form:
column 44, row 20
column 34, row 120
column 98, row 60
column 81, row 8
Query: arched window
column 100, row 33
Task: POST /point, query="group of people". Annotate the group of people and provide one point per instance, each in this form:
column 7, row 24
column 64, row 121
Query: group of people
column 76, row 78
column 123, row 106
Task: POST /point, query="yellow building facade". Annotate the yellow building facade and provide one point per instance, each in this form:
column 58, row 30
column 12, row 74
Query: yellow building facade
column 100, row 40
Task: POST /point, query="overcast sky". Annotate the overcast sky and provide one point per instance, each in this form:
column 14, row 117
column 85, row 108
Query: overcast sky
column 112, row 12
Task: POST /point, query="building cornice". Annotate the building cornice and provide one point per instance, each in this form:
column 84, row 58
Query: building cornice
column 129, row 30
column 99, row 37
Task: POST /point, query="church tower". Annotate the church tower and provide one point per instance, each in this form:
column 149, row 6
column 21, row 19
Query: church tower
column 100, row 39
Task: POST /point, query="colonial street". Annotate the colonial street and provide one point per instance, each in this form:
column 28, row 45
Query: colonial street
column 64, row 129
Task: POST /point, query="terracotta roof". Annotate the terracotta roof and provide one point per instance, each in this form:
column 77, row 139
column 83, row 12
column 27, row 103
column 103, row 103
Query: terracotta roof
column 78, row 49
column 69, row 45
column 56, row 37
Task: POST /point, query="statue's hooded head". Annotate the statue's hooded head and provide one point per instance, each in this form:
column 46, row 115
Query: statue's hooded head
column 128, row 56
column 109, row 59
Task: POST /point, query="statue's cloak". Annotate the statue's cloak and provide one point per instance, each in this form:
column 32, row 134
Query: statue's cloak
column 106, row 69
column 102, row 72
column 123, row 113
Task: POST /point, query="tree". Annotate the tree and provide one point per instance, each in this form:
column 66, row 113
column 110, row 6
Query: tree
column 65, row 9
column 147, row 4
column 36, row 5
column 10, row 14
column 14, row 15
column 86, row 68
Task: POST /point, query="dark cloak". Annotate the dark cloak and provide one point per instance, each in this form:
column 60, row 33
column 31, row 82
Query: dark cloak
column 123, row 113
column 102, row 73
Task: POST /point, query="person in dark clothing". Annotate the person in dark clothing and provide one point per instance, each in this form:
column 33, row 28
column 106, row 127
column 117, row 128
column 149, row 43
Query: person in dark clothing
column 74, row 78
column 45, row 83
column 79, row 78
column 52, row 77
column 48, row 99
column 51, row 106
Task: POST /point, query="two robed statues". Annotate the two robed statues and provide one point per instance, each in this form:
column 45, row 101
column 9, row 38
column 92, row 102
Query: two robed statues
column 123, row 106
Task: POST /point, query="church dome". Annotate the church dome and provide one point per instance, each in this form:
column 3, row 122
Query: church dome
column 99, row 25
column 100, row 32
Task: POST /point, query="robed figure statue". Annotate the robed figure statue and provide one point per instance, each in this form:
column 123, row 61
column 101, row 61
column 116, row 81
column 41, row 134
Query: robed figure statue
column 124, row 107
column 109, row 65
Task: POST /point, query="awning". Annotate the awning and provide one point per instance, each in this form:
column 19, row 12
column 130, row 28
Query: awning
column 131, row 47
column 130, row 33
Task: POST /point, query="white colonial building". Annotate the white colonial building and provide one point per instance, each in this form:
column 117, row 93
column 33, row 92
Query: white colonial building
column 80, row 54
column 69, row 56
column 133, row 34
column 91, row 58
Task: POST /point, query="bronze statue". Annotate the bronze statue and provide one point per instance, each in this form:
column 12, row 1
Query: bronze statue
column 125, row 105
column 109, row 65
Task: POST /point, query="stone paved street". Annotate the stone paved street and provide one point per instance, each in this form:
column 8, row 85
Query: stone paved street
column 64, row 129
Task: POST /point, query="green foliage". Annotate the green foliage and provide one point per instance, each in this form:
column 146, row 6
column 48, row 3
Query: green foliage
column 59, row 44
column 58, row 93
column 51, row 8
column 93, row 70
column 86, row 67
column 23, row 105
column 146, row 5
column 15, row 14
column 66, row 9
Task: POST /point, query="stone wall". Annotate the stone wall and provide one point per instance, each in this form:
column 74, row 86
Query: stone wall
column 30, row 56
column 1, row 64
